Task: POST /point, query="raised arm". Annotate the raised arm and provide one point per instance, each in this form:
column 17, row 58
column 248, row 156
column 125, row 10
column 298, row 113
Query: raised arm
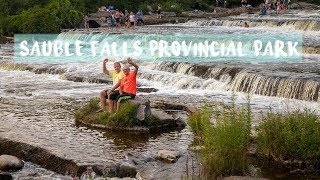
column 104, row 68
column 136, row 67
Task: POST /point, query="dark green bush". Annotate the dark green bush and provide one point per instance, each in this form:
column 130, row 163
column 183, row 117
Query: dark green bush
column 198, row 121
column 90, row 108
column 293, row 136
column 225, row 145
column 125, row 117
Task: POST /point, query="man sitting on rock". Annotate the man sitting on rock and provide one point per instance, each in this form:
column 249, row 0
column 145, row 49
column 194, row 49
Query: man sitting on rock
column 116, row 75
column 128, row 84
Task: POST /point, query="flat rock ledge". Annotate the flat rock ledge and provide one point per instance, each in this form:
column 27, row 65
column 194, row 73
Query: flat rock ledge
column 164, row 124
column 165, row 121
column 61, row 165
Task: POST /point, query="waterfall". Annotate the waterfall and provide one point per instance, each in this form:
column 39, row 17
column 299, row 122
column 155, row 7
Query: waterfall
column 307, row 24
column 241, row 79
column 287, row 87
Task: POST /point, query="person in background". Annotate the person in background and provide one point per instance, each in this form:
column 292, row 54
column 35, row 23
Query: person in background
column 279, row 6
column 159, row 11
column 128, row 84
column 285, row 4
column 267, row 4
column 219, row 3
column 113, row 20
column 264, row 10
column 150, row 10
column 117, row 17
column 86, row 22
column 109, row 21
column 116, row 75
column 132, row 20
column 289, row 4
column 139, row 18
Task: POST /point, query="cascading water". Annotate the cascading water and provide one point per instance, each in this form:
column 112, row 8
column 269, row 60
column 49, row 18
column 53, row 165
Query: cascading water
column 37, row 107
column 293, row 21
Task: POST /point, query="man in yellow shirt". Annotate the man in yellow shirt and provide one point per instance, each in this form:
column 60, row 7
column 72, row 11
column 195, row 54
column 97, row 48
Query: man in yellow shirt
column 116, row 75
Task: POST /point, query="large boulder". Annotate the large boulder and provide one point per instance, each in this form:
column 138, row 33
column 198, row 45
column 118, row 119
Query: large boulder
column 10, row 163
column 144, row 109
column 126, row 170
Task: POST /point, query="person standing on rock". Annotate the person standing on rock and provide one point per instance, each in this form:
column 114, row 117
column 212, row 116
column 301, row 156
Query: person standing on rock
column 132, row 19
column 116, row 75
column 140, row 18
column 86, row 22
column 159, row 11
column 128, row 84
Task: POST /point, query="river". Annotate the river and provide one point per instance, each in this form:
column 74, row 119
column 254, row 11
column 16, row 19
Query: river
column 37, row 105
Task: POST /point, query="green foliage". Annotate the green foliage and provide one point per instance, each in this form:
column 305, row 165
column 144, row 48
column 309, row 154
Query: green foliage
column 39, row 16
column 152, row 120
column 67, row 16
column 36, row 20
column 125, row 117
column 87, row 110
column 294, row 135
column 14, row 7
column 198, row 121
column 224, row 146
column 172, row 6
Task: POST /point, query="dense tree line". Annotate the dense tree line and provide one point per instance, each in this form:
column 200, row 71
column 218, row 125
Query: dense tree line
column 50, row 16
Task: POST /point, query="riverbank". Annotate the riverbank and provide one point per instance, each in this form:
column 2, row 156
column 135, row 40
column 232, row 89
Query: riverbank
column 6, row 40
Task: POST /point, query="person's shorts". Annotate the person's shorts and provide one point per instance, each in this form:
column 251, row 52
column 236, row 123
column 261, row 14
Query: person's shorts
column 113, row 95
column 117, row 20
column 159, row 11
column 124, row 97
column 132, row 23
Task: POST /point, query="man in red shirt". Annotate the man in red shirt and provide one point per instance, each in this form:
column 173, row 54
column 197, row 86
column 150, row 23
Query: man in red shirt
column 128, row 84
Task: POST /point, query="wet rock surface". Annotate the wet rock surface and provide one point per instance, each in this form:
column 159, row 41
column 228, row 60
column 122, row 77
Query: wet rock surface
column 32, row 171
column 143, row 108
column 37, row 155
column 126, row 170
